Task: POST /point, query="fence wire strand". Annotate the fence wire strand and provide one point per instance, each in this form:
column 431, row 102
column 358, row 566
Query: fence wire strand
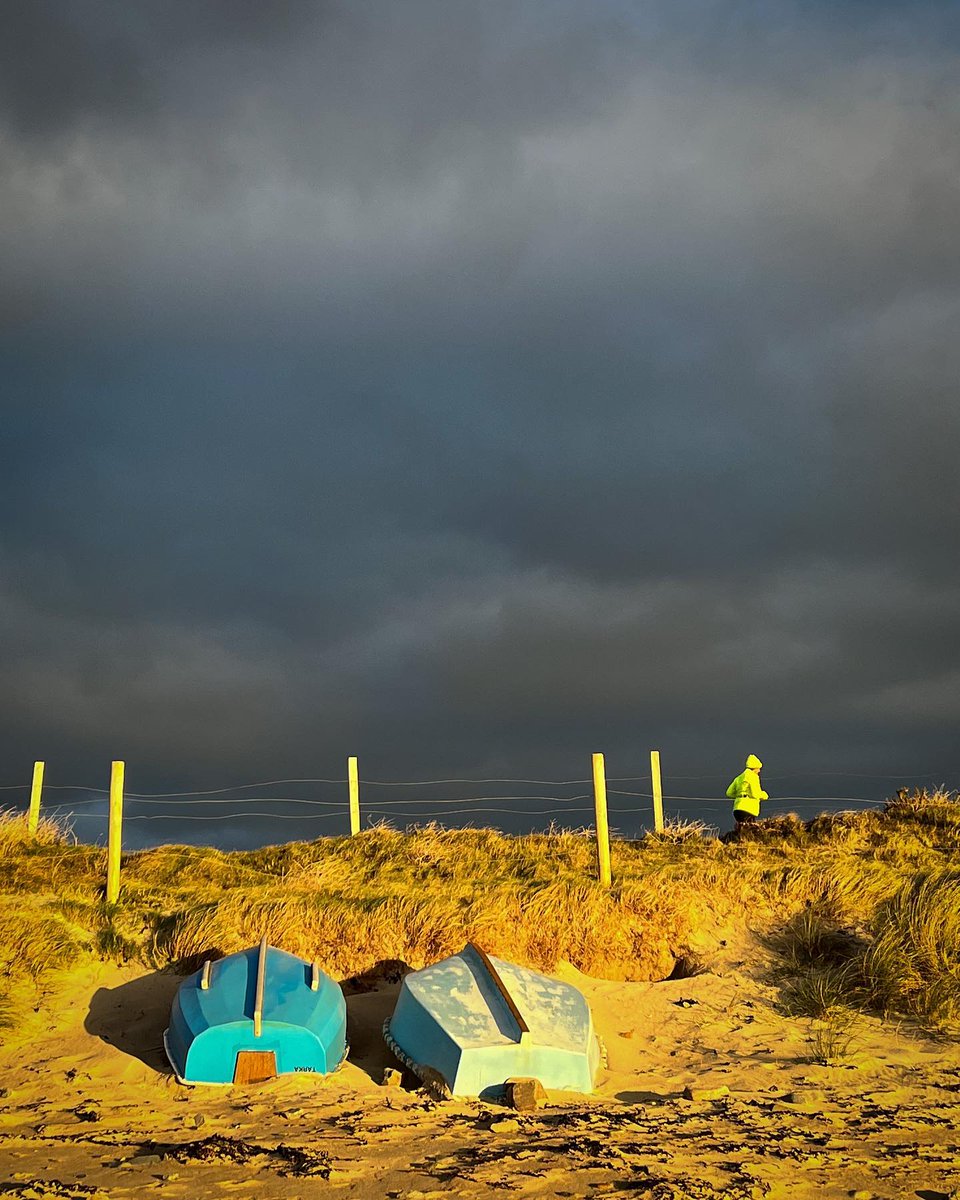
column 435, row 808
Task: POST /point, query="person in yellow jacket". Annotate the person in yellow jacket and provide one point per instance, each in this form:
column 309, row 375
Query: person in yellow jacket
column 746, row 793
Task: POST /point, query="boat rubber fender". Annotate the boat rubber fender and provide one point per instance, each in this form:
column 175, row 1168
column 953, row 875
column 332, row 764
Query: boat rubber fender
column 430, row 1077
column 604, row 1057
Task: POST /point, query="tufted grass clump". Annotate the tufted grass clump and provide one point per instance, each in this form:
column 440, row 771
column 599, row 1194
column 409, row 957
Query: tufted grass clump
column 913, row 963
column 833, row 1035
column 897, row 952
column 16, row 838
column 37, row 939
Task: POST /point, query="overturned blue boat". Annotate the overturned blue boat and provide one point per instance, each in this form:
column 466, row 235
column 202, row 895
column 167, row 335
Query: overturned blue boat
column 469, row 1023
column 253, row 1015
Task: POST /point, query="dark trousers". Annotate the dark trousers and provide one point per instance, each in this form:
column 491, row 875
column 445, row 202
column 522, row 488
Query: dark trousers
column 742, row 818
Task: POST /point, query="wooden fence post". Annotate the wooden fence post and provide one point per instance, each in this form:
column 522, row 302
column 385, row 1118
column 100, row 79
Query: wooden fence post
column 353, row 781
column 115, row 836
column 33, row 820
column 603, row 830
column 657, row 791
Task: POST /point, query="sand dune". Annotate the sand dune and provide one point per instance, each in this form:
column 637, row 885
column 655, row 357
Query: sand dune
column 89, row 1108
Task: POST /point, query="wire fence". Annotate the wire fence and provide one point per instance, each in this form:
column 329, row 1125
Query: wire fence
column 515, row 804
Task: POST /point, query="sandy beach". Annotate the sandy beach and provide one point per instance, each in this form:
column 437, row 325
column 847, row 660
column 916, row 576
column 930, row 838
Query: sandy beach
column 88, row 1107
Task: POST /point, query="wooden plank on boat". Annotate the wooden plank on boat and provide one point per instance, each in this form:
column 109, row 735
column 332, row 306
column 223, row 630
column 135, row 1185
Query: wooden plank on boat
column 261, row 983
column 205, row 977
column 315, row 976
column 255, row 1066
column 502, row 989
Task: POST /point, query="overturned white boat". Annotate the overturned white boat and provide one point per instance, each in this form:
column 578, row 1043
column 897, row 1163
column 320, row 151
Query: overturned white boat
column 471, row 1022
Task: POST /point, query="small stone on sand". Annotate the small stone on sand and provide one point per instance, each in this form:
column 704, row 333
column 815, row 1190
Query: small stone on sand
column 525, row 1094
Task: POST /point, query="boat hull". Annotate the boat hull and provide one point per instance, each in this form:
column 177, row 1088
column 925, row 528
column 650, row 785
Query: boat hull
column 478, row 1021
column 212, row 1028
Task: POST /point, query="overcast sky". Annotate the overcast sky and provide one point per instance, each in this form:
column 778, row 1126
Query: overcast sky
column 472, row 386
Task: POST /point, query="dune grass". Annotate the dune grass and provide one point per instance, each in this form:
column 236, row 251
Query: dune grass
column 884, row 933
column 912, row 963
column 859, row 910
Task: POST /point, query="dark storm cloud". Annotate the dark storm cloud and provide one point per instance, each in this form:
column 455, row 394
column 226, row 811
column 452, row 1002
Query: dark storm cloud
column 110, row 62
column 470, row 383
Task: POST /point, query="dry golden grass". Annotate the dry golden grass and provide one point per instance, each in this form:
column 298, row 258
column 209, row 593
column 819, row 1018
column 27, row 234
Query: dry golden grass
column 15, row 837
column 912, row 965
column 861, row 908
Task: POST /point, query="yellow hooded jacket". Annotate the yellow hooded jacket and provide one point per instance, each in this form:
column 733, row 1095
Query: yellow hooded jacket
column 745, row 790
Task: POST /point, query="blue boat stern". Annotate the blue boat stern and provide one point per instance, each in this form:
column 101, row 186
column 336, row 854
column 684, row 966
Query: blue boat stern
column 261, row 1002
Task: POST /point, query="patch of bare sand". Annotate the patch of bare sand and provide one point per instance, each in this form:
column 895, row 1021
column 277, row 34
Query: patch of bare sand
column 89, row 1107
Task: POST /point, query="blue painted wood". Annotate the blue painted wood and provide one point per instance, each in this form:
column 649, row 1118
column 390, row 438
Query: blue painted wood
column 305, row 1029
column 451, row 1016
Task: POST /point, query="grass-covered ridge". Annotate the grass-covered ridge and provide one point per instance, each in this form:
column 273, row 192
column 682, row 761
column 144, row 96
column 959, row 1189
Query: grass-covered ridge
column 861, row 908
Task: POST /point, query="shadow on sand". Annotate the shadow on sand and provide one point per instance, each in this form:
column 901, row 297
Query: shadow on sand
column 134, row 1015
column 371, row 999
column 641, row 1097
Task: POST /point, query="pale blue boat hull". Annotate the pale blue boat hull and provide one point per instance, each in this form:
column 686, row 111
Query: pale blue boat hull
column 454, row 1018
column 304, row 1029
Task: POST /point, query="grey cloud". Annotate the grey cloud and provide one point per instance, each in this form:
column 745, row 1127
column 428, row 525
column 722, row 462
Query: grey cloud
column 63, row 68
column 488, row 378
column 58, row 66
column 675, row 646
